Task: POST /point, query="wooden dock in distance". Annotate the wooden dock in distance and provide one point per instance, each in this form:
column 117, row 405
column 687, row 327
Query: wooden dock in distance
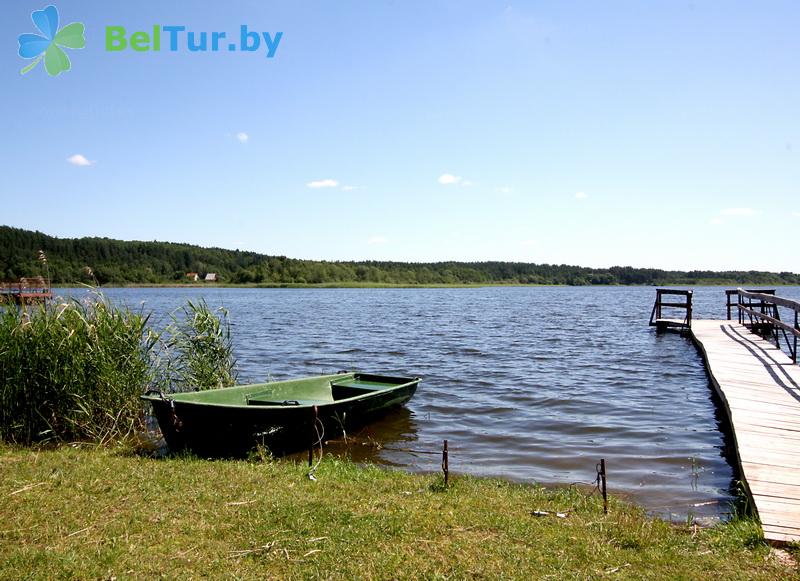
column 759, row 385
column 26, row 291
column 662, row 321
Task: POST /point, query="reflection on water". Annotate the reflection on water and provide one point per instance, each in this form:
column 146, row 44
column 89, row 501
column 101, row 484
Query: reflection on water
column 533, row 384
column 389, row 441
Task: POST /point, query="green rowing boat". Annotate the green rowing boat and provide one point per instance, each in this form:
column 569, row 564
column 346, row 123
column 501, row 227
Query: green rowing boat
column 282, row 415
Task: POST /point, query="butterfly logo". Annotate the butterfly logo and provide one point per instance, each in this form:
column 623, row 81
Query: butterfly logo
column 48, row 45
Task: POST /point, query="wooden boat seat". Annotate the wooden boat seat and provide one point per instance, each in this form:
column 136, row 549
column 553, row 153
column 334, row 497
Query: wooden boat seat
column 283, row 403
column 357, row 384
column 347, row 390
column 342, row 389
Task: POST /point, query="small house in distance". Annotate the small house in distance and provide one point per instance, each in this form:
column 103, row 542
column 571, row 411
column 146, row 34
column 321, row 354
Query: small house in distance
column 211, row 277
column 193, row 276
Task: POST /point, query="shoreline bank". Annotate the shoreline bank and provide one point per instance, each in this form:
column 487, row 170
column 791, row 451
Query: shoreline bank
column 98, row 512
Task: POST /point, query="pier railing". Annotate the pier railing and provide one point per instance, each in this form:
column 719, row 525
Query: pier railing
column 732, row 300
column 758, row 310
column 25, row 291
column 657, row 316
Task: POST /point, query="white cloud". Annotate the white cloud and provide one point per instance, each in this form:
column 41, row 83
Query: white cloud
column 738, row 212
column 796, row 214
column 734, row 213
column 377, row 240
column 448, row 179
column 504, row 190
column 326, row 183
column 332, row 183
column 242, row 137
column 80, row 160
column 581, row 195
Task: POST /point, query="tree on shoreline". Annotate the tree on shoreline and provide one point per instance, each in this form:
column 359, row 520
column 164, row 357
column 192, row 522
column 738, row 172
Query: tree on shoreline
column 136, row 262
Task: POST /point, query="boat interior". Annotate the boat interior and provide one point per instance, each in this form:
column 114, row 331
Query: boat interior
column 297, row 392
column 328, row 391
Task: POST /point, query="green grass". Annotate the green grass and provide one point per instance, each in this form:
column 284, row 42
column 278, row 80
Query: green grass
column 80, row 513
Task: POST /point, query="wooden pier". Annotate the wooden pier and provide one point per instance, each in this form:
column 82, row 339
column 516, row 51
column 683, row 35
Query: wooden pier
column 662, row 309
column 26, row 291
column 759, row 384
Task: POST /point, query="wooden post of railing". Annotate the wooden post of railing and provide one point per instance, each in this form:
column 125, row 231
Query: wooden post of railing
column 689, row 309
column 739, row 308
column 728, row 295
column 729, row 304
column 658, row 303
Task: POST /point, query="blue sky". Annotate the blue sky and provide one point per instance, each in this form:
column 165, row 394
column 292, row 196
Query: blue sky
column 663, row 134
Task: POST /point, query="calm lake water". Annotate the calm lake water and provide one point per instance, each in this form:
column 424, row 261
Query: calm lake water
column 532, row 384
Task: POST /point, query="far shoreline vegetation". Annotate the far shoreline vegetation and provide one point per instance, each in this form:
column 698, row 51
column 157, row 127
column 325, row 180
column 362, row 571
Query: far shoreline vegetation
column 168, row 264
column 385, row 286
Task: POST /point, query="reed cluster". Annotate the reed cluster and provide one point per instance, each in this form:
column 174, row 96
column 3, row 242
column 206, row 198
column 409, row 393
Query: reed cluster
column 73, row 370
column 198, row 348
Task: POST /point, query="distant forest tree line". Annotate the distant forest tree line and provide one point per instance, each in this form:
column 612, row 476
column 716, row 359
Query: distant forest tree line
column 123, row 262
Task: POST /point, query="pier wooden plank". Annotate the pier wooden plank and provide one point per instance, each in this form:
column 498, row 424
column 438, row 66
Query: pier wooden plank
column 760, row 386
column 767, row 420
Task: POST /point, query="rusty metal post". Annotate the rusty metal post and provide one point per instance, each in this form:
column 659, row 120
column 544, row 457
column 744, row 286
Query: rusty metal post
column 603, row 484
column 445, row 463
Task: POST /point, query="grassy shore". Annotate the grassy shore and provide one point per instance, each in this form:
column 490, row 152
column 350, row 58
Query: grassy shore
column 73, row 513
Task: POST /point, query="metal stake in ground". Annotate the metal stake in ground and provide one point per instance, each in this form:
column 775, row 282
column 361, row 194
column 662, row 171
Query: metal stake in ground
column 603, row 484
column 312, row 436
column 445, row 463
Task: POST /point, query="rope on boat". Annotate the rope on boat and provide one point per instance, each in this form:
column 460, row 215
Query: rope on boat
column 320, row 436
column 177, row 423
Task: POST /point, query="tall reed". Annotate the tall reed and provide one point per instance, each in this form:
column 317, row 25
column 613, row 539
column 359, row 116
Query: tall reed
column 73, row 370
column 199, row 349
